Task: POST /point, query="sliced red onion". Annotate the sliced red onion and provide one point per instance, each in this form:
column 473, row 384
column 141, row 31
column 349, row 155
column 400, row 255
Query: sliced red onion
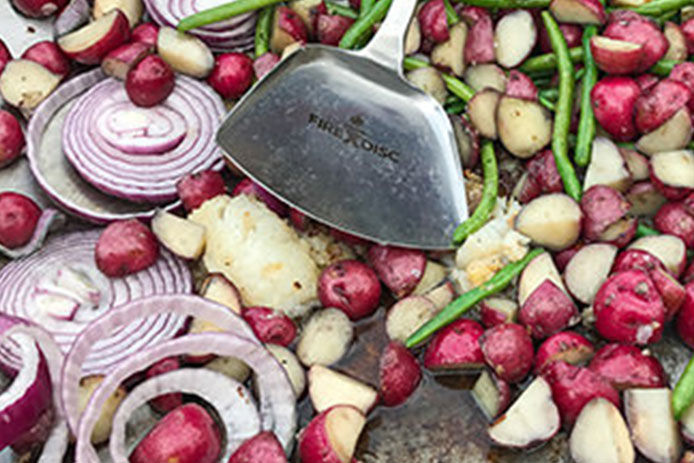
column 74, row 15
column 133, row 175
column 277, row 402
column 29, row 394
column 50, row 220
column 233, row 403
column 65, row 267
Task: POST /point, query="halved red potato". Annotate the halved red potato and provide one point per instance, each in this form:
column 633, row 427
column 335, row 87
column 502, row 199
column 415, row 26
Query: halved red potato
column 332, row 436
column 677, row 44
column 600, row 425
column 607, row 166
column 578, row 11
column 588, row 269
column 481, row 76
column 553, row 221
column 482, row 111
column 674, row 134
column 514, row 38
column 653, row 428
column 449, row 55
column 92, row 42
column 616, row 56
column 524, row 127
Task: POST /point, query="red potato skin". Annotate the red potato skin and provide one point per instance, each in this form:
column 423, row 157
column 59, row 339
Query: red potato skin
column 433, row 22
column 195, row 189
column 5, row 56
column 672, row 193
column 146, row 33
column 232, row 75
column 573, row 387
column 625, row 367
column 187, row 434
column 602, row 206
column 331, row 28
column 292, row 24
column 166, row 402
column 125, row 247
column 12, row 139
column 249, row 187
column 547, row 311
column 519, row 85
column 508, row 350
column 629, row 309
column 685, row 319
column 636, row 259
column 562, row 258
column 613, row 99
column 399, row 374
column 299, row 220
column 660, row 104
column 350, row 286
column 479, row 44
column 670, row 290
column 688, row 274
column 39, row 8
column 263, row 447
column 543, row 168
column 117, row 36
column 674, row 219
column 149, row 82
column 19, row 215
column 687, row 29
column 314, row 444
column 121, row 60
column 572, row 34
column 348, row 238
column 398, row 268
column 616, row 62
column 456, row 346
column 684, row 73
column 632, row 27
column 264, row 64
column 647, row 81
column 492, row 317
column 49, row 55
column 270, row 326
column 566, row 346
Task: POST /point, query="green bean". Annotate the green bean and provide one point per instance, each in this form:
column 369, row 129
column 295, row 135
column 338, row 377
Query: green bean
column 365, row 6
column 456, row 108
column 644, row 230
column 455, row 85
column 222, row 12
column 365, row 23
column 562, row 115
column 489, row 194
column 683, row 394
column 550, row 93
column 262, row 30
column 507, row 4
column 548, row 61
column 546, row 102
column 586, row 123
column 341, row 10
column 462, row 304
column 451, row 16
column 663, row 67
column 660, row 7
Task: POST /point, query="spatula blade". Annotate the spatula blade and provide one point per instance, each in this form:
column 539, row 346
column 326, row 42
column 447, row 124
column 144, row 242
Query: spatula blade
column 351, row 144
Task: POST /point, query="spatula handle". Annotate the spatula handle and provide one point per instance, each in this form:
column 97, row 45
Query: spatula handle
column 387, row 46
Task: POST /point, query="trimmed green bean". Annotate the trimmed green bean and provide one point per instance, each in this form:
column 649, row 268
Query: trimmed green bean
column 341, row 10
column 490, row 191
column 586, row 123
column 683, row 394
column 365, row 6
column 452, row 17
column 562, row 115
column 644, row 230
column 456, row 108
column 462, row 304
column 507, row 4
column 660, row 7
column 550, row 93
column 546, row 102
column 663, row 67
column 222, row 12
column 263, row 30
column 548, row 61
column 365, row 23
column 455, row 85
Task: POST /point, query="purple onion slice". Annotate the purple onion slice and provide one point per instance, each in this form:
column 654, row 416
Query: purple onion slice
column 54, row 173
column 131, row 164
column 60, row 289
column 233, row 403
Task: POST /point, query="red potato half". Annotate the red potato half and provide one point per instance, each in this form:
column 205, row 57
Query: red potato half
column 331, row 28
column 677, row 43
column 270, row 326
column 442, row 295
column 629, row 309
column 449, row 55
column 671, row 291
column 332, row 436
column 588, row 269
column 645, row 199
column 216, row 287
column 496, row 310
column 195, row 189
column 508, row 350
column 481, row 76
column 429, row 80
column 547, row 311
column 149, row 82
column 531, row 420
column 627, row 367
column 350, row 286
column 637, row 165
column 118, row 62
column 263, row 447
column 525, row 127
column 653, row 428
column 92, row 42
column 125, row 247
column 567, row 346
column 492, row 394
column 685, row 319
column 287, row 28
column 552, row 220
column 479, row 45
column 468, row 141
column 325, row 338
column 674, row 134
column 601, row 426
column 675, row 219
column 668, row 249
column 399, row 269
column 455, row 347
column 19, row 216
column 184, row 53
column 432, row 282
column 602, row 207
column 514, row 38
column 578, row 11
column 146, row 33
column 481, row 110
column 632, row 27
column 407, row 316
column 654, row 108
column 684, row 72
column 616, row 56
column 535, row 273
column 38, row 8
column 433, row 22
column 521, row 86
column 328, row 388
column 12, row 139
column 25, row 84
column 182, row 237
column 132, row 9
column 399, row 374
column 48, row 55
column 613, row 100
column 673, row 172
column 646, row 81
column 688, row 30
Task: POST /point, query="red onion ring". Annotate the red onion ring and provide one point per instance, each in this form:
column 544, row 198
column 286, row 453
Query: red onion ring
column 277, row 401
column 142, row 177
column 49, row 220
column 230, row 399
column 19, row 279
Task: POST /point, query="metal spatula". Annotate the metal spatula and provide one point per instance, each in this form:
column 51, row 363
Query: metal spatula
column 343, row 137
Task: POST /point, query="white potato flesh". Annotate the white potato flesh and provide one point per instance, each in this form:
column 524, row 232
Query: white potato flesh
column 535, row 273
column 325, row 338
column 552, row 220
column 328, row 388
column 653, row 427
column 607, row 166
column 429, row 81
column 674, row 168
column 600, row 435
column 588, row 269
column 481, row 76
column 185, row 53
column 674, row 134
column 514, row 38
column 524, row 126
